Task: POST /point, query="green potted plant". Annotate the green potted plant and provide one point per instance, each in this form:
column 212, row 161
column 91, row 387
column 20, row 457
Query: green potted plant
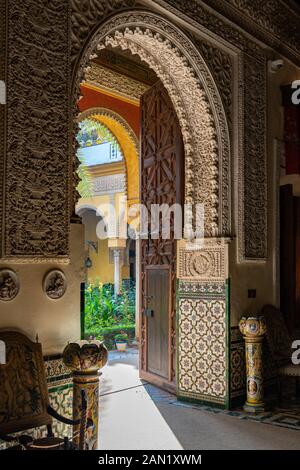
column 121, row 341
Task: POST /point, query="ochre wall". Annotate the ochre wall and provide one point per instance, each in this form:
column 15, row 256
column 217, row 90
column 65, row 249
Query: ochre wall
column 92, row 98
column 55, row 321
column 130, row 153
column 102, row 270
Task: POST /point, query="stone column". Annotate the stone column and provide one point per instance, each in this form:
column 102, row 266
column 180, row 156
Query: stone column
column 117, row 271
column 85, row 359
column 253, row 330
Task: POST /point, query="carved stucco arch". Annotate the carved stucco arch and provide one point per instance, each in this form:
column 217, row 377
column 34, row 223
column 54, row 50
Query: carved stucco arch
column 128, row 142
column 196, row 99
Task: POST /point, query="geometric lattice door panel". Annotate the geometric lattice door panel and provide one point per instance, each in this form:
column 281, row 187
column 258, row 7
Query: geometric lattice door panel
column 162, row 176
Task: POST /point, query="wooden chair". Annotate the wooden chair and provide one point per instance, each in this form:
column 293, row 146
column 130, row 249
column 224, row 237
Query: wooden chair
column 280, row 345
column 24, row 401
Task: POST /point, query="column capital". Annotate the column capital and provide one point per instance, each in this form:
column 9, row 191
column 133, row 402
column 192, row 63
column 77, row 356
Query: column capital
column 85, row 357
column 253, row 327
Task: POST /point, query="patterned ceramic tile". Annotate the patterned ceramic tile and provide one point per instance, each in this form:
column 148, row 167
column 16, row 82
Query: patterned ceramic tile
column 238, row 366
column 202, row 361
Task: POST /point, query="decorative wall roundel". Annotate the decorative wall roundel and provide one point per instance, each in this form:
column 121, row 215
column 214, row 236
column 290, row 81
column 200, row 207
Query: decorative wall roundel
column 55, row 284
column 9, row 285
column 202, row 264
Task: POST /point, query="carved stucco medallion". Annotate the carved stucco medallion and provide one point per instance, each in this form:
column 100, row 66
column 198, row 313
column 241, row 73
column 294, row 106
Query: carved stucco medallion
column 200, row 263
column 209, row 263
column 55, row 284
column 9, row 285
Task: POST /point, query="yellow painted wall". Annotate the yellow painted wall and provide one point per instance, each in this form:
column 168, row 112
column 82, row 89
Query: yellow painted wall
column 130, row 152
column 102, row 270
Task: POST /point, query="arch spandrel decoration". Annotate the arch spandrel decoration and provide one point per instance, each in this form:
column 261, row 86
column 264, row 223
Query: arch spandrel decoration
column 128, row 142
column 196, row 100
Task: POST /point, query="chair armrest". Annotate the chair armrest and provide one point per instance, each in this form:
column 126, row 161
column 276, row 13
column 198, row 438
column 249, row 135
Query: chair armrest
column 8, row 438
column 51, row 411
column 23, row 439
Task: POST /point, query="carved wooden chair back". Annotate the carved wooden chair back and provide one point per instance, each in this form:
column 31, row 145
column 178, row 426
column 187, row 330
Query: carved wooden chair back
column 23, row 388
column 24, row 401
column 279, row 340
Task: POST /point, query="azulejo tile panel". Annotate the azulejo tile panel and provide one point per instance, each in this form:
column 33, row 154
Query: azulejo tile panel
column 61, row 400
column 202, row 340
column 238, row 366
column 60, row 389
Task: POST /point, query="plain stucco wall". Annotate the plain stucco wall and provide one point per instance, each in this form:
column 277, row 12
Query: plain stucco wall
column 55, row 321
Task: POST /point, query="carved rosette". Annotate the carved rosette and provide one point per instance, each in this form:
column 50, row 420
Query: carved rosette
column 9, row 285
column 55, row 284
column 207, row 262
column 253, row 330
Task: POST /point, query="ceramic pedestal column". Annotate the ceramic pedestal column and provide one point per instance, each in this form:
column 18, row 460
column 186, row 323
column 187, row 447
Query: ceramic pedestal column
column 85, row 359
column 253, row 330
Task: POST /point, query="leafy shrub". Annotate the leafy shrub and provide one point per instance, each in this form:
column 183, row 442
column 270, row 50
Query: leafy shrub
column 108, row 335
column 104, row 310
column 121, row 337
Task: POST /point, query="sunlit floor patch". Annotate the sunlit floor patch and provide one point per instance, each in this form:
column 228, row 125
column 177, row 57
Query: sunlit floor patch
column 129, row 418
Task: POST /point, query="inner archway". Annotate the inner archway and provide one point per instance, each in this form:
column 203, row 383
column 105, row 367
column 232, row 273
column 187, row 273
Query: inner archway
column 128, row 142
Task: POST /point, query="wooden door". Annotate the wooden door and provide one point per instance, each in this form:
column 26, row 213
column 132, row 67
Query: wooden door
column 290, row 258
column 162, row 178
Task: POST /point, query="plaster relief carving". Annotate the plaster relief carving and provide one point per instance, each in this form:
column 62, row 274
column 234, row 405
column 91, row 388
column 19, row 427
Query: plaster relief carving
column 86, row 15
column 55, row 284
column 105, row 78
column 109, row 185
column 3, row 47
column 37, row 147
column 209, row 263
column 255, row 161
column 251, row 120
column 267, row 20
column 9, row 285
column 221, row 66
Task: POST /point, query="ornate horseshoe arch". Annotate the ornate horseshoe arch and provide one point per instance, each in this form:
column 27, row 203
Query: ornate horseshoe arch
column 128, row 142
column 196, row 100
column 199, row 107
